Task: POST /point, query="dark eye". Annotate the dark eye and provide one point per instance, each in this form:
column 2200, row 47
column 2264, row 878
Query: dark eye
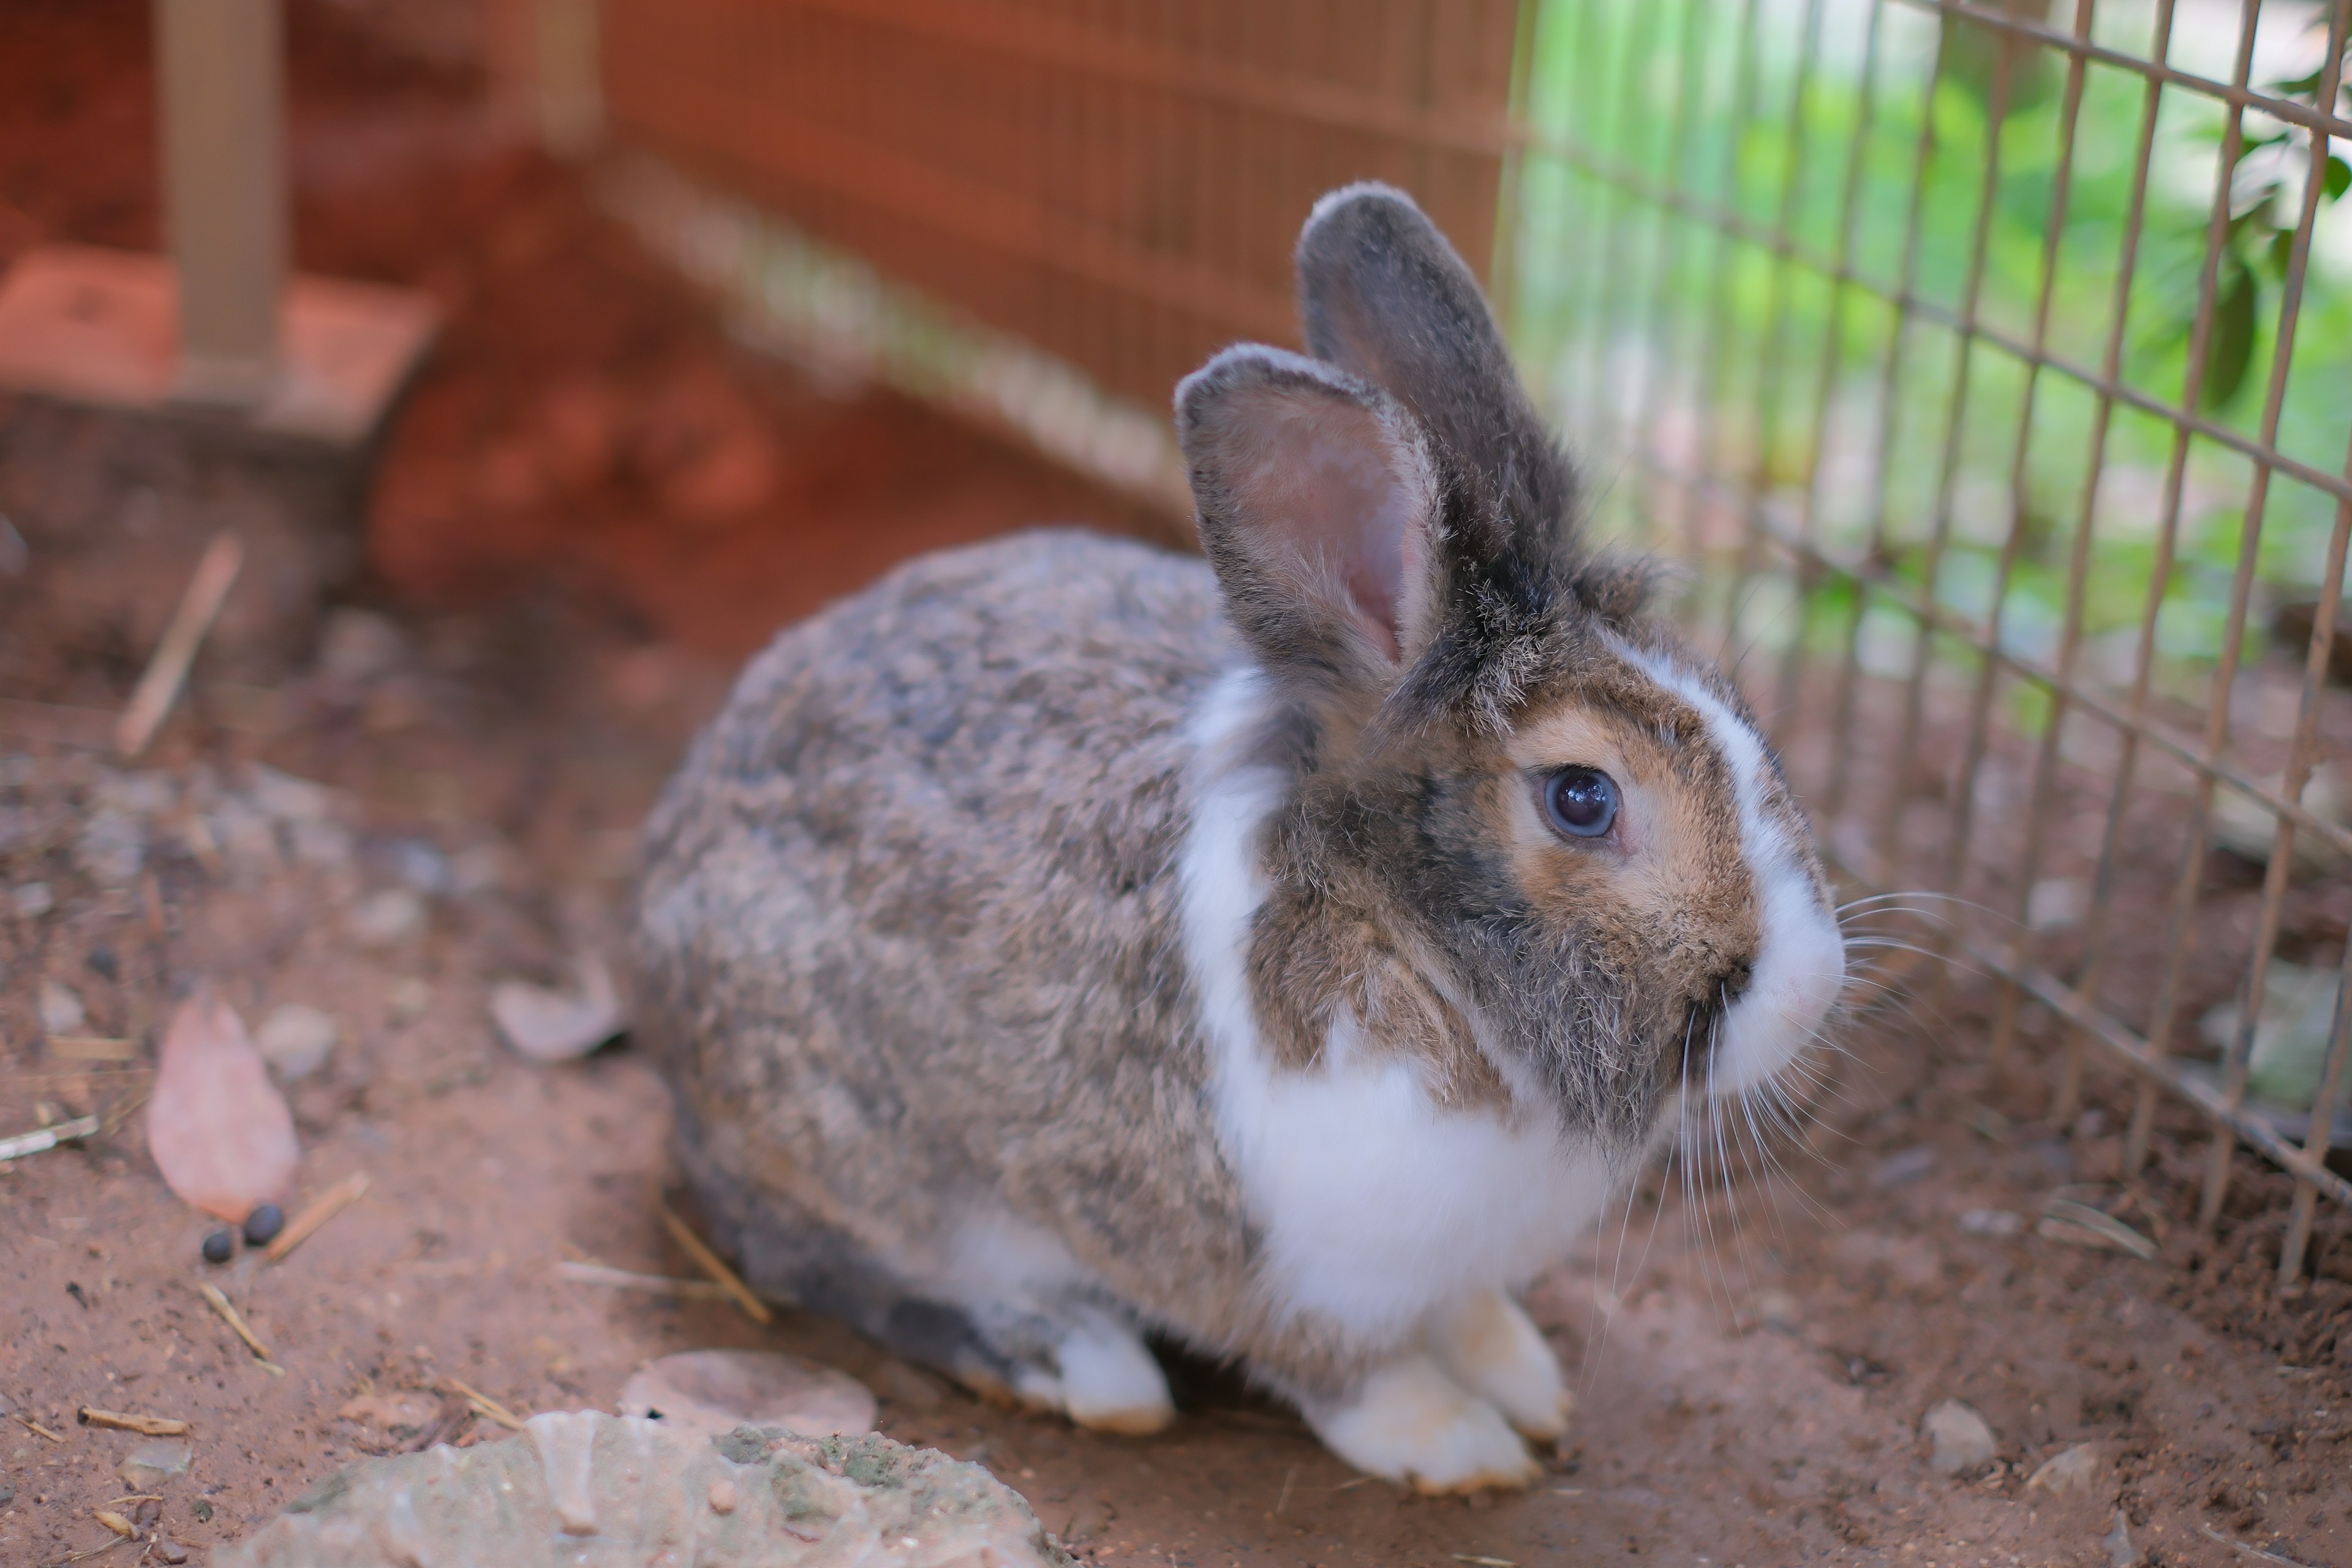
column 1583, row 802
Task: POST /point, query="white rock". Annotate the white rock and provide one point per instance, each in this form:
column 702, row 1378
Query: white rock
column 291, row 799
column 2121, row 1552
column 357, row 646
column 134, row 795
column 2069, row 1470
column 112, row 848
column 1958, row 1438
column 296, row 1040
column 2246, row 827
column 34, row 900
column 387, row 917
column 481, row 868
column 552, row 1025
column 2057, row 902
column 1990, row 1221
column 61, row 1011
column 321, row 843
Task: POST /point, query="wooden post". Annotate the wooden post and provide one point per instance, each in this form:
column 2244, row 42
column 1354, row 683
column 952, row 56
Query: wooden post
column 220, row 75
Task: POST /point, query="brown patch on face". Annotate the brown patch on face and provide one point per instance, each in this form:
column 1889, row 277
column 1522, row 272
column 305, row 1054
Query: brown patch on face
column 1667, row 891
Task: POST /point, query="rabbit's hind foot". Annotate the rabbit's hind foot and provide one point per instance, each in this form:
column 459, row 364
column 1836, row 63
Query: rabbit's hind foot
column 1408, row 1421
column 1489, row 1346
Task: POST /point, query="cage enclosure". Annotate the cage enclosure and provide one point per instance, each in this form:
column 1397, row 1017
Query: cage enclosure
column 1987, row 369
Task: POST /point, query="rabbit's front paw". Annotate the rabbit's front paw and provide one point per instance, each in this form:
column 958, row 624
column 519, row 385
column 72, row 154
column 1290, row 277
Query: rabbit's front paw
column 1487, row 1346
column 1410, row 1422
column 1110, row 1382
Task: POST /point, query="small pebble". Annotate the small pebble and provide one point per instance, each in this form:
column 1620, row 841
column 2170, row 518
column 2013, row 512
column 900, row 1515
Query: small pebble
column 61, row 1011
column 262, row 1226
column 1960, row 1441
column 7, row 1494
column 171, row 1551
column 34, row 900
column 388, row 918
column 203, row 1509
column 296, row 1040
column 220, row 1247
column 104, row 964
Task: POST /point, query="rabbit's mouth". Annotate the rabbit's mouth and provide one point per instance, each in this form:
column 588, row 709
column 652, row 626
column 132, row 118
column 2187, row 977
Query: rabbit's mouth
column 1799, row 971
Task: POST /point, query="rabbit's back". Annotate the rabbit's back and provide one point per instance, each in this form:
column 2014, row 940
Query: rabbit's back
column 908, row 931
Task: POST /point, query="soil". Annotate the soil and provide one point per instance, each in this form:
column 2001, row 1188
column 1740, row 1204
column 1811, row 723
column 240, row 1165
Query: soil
column 567, row 548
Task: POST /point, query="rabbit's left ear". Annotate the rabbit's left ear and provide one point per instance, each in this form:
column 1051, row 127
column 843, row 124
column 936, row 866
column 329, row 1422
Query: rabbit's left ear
column 1383, row 296
column 1317, row 507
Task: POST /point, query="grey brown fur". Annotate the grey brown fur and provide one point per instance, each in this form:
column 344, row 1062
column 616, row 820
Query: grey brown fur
column 912, row 932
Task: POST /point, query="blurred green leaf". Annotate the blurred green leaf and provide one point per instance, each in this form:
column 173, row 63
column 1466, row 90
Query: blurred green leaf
column 2339, row 177
column 2231, row 348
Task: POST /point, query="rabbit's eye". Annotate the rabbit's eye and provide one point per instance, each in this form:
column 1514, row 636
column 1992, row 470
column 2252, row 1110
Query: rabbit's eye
column 1583, row 802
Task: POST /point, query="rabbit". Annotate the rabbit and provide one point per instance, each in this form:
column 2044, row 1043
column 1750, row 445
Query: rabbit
column 1065, row 942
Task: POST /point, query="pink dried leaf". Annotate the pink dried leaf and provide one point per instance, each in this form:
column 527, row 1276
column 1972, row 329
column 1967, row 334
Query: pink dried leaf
column 217, row 1127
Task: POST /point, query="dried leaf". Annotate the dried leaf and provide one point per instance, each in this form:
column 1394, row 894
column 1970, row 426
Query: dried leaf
column 217, row 1127
column 718, row 1391
column 552, row 1025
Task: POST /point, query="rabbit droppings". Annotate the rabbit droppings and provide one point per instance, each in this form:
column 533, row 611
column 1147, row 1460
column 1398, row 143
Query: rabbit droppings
column 1064, row 939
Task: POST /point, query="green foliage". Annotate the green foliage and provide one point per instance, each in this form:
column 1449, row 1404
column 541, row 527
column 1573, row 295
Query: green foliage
column 1925, row 155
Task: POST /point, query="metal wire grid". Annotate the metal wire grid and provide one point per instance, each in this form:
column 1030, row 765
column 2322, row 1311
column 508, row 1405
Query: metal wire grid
column 1630, row 213
column 1115, row 180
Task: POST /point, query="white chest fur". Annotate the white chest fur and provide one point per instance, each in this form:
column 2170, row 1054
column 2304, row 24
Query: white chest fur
column 1377, row 1205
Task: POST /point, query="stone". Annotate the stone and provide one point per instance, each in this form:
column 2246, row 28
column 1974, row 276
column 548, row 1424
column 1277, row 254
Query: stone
column 296, row 1040
column 33, row 900
column 1958, row 1440
column 386, row 918
column 2069, row 1470
column 291, row 799
column 112, row 848
column 150, row 1463
column 61, row 1011
column 1990, row 1221
column 2121, row 1552
column 357, row 646
column 584, row 1486
column 321, row 843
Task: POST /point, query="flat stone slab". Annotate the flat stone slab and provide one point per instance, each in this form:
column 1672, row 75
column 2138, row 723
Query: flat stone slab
column 87, row 325
column 584, row 1489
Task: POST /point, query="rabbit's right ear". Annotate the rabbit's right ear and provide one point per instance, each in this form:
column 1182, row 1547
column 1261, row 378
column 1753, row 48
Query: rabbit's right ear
column 1317, row 504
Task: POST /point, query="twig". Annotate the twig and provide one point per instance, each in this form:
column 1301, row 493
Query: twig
column 47, row 1137
column 229, row 1315
column 318, row 1211
column 134, row 1496
column 149, row 1426
column 93, row 1551
column 1282, row 1499
column 484, row 1406
column 93, row 1049
column 2252, row 1551
column 1483, row 1562
column 29, row 1424
column 710, row 1264
column 167, row 671
column 656, row 1284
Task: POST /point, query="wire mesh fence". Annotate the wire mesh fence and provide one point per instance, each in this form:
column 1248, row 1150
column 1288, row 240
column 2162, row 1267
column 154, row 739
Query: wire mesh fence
column 1993, row 370
column 1990, row 366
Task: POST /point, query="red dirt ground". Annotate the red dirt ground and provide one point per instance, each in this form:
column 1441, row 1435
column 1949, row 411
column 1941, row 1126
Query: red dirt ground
column 591, row 507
